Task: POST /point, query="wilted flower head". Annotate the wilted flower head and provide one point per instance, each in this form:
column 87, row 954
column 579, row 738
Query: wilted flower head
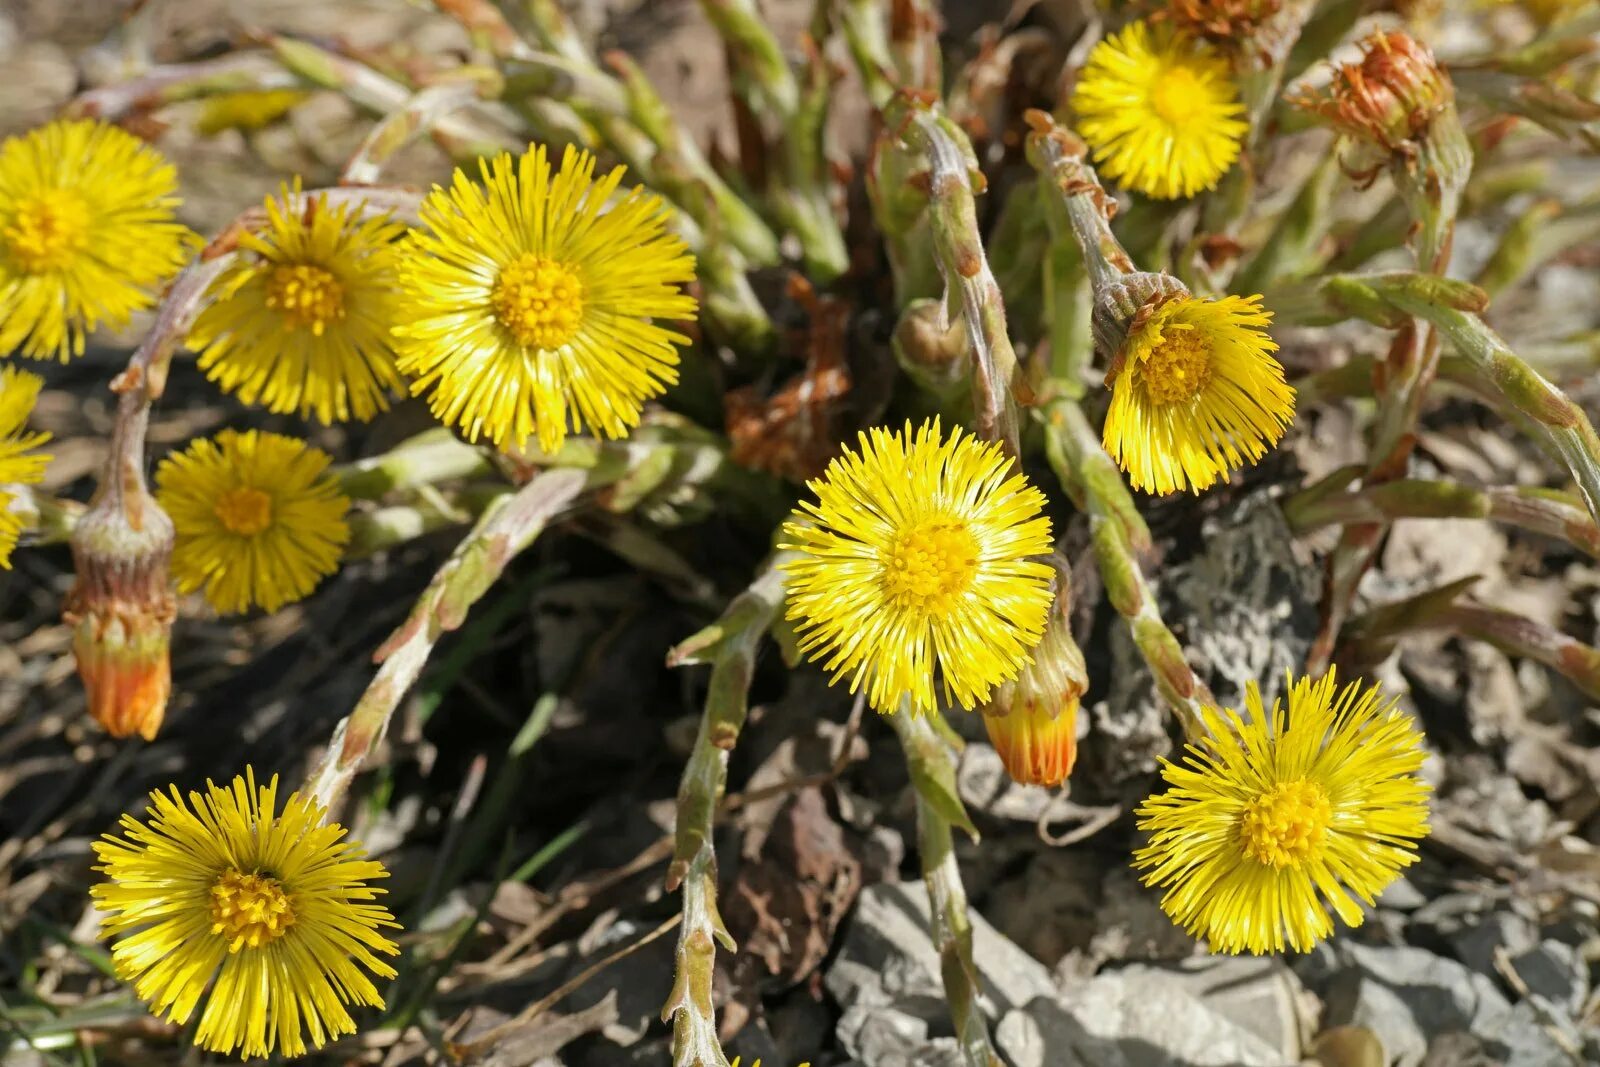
column 527, row 303
column 299, row 322
column 259, row 521
column 86, row 234
column 19, row 463
column 1390, row 98
column 264, row 916
column 1196, row 392
column 919, row 555
column 1274, row 819
column 1226, row 23
column 1160, row 110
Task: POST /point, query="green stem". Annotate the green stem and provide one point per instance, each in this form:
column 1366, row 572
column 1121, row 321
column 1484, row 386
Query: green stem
column 933, row 770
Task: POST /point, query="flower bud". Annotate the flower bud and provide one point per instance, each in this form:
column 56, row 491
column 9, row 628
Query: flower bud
column 121, row 609
column 1033, row 721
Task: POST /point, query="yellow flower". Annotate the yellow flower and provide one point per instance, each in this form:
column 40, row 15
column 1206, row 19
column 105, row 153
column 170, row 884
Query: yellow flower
column 86, row 233
column 1160, row 110
column 19, row 464
column 300, row 321
column 259, row 522
column 916, row 555
column 1196, row 393
column 1267, row 814
column 272, row 906
column 528, row 306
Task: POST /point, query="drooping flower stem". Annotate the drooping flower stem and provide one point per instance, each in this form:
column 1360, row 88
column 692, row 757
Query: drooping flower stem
column 1397, row 105
column 1095, row 486
column 951, row 178
column 939, row 810
column 729, row 645
column 506, row 529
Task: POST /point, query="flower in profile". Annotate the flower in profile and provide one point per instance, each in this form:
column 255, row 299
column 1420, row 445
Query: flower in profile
column 527, row 305
column 1196, row 391
column 86, row 234
column 269, row 910
column 300, row 321
column 1160, row 110
column 258, row 519
column 1033, row 720
column 1272, row 820
column 19, row 463
column 919, row 553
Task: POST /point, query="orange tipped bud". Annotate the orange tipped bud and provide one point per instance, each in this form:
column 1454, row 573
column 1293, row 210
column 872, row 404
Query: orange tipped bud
column 121, row 610
column 1033, row 721
column 1037, row 741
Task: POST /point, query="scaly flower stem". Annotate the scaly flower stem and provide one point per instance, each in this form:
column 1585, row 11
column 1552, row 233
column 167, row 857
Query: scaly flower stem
column 1527, row 390
column 508, row 527
column 939, row 809
column 1439, row 609
column 958, row 246
column 482, row 131
column 422, row 112
column 1541, row 511
column 1095, row 486
column 242, row 71
column 729, row 645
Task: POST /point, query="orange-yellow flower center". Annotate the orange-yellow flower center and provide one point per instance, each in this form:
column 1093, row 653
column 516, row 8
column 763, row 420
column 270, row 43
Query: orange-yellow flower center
column 929, row 567
column 244, row 511
column 1284, row 826
column 249, row 909
column 307, row 296
column 48, row 230
column 1177, row 96
column 1178, row 367
column 539, row 300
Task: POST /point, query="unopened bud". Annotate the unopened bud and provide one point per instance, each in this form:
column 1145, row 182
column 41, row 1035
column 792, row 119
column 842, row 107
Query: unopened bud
column 1226, row 23
column 1033, row 720
column 121, row 609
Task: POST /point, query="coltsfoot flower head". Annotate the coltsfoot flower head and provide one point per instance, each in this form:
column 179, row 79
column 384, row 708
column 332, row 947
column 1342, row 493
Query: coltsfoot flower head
column 20, row 464
column 86, row 234
column 1273, row 820
column 527, row 305
column 920, row 554
column 1160, row 111
column 300, row 321
column 1196, row 391
column 1225, row 23
column 271, row 911
column 1033, row 720
column 259, row 521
